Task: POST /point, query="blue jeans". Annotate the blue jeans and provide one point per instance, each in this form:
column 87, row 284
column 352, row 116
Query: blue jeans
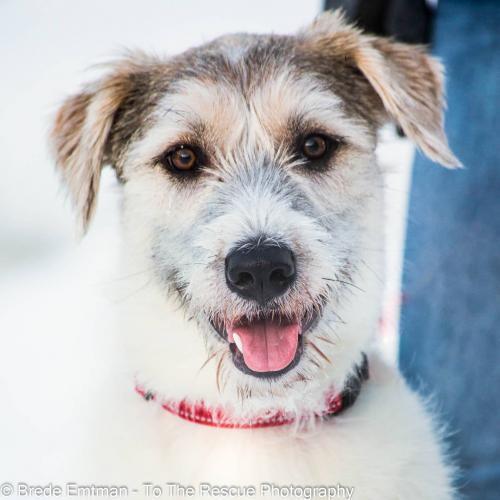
column 450, row 326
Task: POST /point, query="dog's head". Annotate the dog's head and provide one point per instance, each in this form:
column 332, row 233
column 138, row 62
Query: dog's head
column 252, row 200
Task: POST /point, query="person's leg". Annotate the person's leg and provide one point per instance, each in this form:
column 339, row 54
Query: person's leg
column 450, row 327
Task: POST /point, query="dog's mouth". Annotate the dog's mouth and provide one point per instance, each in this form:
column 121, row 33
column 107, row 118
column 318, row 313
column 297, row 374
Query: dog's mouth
column 268, row 345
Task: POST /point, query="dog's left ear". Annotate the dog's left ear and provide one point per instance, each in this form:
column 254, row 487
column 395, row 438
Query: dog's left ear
column 409, row 82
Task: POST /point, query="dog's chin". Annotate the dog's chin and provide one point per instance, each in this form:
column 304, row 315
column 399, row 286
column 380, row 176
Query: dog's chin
column 268, row 345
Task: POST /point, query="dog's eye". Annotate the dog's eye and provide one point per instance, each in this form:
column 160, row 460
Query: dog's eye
column 316, row 146
column 183, row 159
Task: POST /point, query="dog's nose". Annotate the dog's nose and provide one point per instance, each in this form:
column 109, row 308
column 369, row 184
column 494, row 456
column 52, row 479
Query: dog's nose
column 261, row 273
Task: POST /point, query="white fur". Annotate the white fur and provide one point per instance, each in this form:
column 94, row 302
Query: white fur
column 384, row 447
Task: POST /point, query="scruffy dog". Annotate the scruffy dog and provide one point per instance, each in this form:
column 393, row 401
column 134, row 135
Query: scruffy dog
column 252, row 203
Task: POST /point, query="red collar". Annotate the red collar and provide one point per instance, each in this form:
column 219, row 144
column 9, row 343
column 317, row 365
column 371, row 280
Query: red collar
column 200, row 413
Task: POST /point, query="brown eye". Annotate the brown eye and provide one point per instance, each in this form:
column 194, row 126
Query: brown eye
column 183, row 158
column 314, row 147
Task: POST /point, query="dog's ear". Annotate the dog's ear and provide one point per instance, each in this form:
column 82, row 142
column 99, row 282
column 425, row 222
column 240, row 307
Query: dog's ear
column 81, row 132
column 409, row 83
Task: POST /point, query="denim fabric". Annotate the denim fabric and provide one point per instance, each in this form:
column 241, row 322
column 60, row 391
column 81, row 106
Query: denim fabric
column 450, row 326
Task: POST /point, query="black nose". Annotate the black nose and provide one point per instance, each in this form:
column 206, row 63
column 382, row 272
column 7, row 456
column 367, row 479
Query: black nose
column 261, row 272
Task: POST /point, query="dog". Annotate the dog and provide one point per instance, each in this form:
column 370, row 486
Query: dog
column 252, row 239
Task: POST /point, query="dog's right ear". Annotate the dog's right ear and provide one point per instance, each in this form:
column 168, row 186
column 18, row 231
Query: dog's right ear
column 81, row 132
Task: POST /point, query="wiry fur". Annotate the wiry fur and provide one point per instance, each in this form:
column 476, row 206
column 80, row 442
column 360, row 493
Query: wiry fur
column 244, row 100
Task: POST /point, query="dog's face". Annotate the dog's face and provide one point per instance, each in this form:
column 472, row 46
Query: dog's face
column 251, row 194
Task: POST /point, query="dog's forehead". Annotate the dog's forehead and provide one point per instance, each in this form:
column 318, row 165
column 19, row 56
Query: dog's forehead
column 253, row 64
column 260, row 88
column 242, row 89
column 269, row 106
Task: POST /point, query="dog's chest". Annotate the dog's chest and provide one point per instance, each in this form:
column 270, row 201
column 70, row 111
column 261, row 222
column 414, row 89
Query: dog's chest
column 380, row 447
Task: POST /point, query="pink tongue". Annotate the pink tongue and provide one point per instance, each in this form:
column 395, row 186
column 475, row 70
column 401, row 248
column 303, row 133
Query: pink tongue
column 267, row 345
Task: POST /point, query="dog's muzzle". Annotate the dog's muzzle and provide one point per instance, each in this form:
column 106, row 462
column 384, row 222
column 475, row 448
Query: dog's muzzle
column 266, row 344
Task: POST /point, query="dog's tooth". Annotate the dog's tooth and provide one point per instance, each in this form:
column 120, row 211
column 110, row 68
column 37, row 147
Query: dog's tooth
column 238, row 342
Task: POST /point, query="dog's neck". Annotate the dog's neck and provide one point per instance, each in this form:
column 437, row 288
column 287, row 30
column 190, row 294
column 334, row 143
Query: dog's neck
column 335, row 402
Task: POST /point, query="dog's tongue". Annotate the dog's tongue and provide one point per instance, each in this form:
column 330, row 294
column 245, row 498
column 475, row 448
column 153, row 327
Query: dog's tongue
column 267, row 345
